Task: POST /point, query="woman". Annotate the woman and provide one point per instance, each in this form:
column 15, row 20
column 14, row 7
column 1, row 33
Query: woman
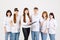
column 7, row 25
column 44, row 28
column 25, row 21
column 16, row 23
column 52, row 26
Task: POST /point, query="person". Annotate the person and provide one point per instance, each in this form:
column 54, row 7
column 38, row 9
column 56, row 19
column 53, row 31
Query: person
column 16, row 25
column 7, row 25
column 44, row 25
column 52, row 26
column 36, row 26
column 25, row 21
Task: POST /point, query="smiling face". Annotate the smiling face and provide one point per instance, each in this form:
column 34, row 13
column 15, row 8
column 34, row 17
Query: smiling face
column 35, row 11
column 9, row 14
column 50, row 16
column 26, row 11
column 16, row 12
column 44, row 15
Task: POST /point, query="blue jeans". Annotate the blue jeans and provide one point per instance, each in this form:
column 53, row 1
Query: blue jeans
column 52, row 36
column 35, row 35
column 44, row 36
column 15, row 36
column 8, row 34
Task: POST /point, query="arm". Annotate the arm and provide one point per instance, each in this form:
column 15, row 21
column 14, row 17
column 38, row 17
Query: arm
column 5, row 29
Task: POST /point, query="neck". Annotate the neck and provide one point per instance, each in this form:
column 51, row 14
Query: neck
column 35, row 14
column 16, row 14
column 8, row 16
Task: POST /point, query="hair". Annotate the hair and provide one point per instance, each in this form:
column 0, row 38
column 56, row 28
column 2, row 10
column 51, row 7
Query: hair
column 9, row 11
column 45, row 13
column 52, row 15
column 16, row 9
column 35, row 8
column 14, row 18
column 24, row 17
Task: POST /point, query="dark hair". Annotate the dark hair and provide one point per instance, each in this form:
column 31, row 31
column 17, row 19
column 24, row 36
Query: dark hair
column 52, row 15
column 14, row 18
column 24, row 17
column 16, row 9
column 35, row 8
column 8, row 11
column 45, row 12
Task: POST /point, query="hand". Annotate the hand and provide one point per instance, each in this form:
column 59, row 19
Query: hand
column 11, row 23
column 46, row 30
column 5, row 30
column 29, row 22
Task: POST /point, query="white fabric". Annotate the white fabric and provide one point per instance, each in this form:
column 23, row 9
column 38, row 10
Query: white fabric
column 45, row 25
column 7, row 23
column 35, row 26
column 16, row 27
column 52, row 26
column 23, row 24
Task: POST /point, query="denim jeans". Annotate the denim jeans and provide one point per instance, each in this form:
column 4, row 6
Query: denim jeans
column 15, row 36
column 35, row 35
column 44, row 36
column 52, row 36
column 8, row 34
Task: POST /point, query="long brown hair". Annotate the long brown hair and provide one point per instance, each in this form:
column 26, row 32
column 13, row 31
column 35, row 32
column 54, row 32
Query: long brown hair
column 24, row 17
column 14, row 18
column 45, row 12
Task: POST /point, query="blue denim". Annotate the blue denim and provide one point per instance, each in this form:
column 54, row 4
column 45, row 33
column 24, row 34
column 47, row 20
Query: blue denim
column 44, row 36
column 52, row 36
column 35, row 35
column 8, row 34
column 15, row 36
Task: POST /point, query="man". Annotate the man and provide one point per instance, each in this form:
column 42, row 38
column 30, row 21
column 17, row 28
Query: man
column 35, row 27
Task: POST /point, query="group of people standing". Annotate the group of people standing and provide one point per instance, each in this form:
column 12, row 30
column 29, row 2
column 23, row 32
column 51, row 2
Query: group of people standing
column 34, row 23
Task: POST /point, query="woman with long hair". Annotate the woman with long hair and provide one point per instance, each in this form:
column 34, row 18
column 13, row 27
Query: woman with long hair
column 25, row 21
column 16, row 25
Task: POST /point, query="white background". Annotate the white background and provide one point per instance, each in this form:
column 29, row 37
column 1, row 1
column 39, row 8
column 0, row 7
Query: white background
column 43, row 5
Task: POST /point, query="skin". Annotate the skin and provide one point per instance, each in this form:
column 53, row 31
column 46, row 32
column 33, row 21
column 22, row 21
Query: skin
column 16, row 12
column 35, row 11
column 51, row 17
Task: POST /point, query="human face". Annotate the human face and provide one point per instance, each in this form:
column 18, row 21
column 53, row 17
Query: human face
column 44, row 15
column 50, row 16
column 8, row 14
column 26, row 11
column 35, row 11
column 16, row 12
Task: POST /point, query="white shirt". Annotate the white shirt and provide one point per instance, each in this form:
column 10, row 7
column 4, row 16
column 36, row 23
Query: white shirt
column 44, row 26
column 16, row 27
column 7, row 23
column 52, row 26
column 23, row 23
column 35, row 26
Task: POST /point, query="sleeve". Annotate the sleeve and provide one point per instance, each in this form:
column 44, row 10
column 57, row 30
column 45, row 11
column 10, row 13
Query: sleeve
column 4, row 22
column 41, row 20
column 55, row 24
column 48, row 24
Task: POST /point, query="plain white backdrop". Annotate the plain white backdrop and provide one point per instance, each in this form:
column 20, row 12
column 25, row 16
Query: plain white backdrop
column 43, row 5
